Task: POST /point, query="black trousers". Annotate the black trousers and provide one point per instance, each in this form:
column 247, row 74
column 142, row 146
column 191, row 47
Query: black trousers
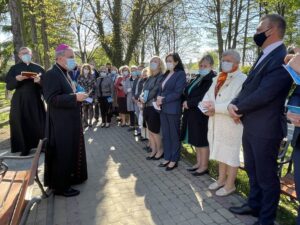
column 260, row 157
column 133, row 120
column 96, row 110
column 296, row 159
column 106, row 109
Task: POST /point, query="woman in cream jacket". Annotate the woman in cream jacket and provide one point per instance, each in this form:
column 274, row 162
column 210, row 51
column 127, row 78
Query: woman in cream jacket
column 224, row 134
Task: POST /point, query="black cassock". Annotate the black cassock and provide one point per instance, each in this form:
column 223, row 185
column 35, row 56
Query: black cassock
column 27, row 112
column 65, row 159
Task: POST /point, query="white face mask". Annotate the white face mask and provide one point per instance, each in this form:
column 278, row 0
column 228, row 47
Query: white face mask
column 226, row 67
column 170, row 66
column 86, row 72
column 125, row 73
column 102, row 74
column 153, row 66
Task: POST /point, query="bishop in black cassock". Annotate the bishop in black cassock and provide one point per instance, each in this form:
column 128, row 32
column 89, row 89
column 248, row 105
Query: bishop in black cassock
column 65, row 160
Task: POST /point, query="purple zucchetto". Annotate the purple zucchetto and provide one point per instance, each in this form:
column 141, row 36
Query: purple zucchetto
column 62, row 47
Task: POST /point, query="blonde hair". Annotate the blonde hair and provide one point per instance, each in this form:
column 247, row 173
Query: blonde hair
column 124, row 67
column 103, row 68
column 147, row 70
column 162, row 68
column 88, row 66
column 133, row 67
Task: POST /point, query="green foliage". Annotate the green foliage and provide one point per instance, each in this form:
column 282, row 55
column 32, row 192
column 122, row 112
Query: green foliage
column 245, row 69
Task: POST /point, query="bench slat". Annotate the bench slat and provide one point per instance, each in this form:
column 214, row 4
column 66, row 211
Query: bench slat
column 7, row 210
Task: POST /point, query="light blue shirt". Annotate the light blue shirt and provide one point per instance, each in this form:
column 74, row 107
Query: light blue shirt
column 268, row 50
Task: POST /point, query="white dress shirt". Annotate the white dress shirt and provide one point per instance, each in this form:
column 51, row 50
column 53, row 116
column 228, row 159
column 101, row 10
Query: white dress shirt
column 268, row 50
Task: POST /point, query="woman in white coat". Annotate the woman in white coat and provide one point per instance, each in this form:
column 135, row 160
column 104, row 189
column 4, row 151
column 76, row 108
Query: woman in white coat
column 224, row 134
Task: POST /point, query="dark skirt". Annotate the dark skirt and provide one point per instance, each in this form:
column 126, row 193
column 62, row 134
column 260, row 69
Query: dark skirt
column 194, row 128
column 122, row 105
column 152, row 119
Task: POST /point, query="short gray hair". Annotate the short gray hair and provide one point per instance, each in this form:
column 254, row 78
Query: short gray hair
column 208, row 58
column 59, row 53
column 24, row 48
column 278, row 21
column 232, row 52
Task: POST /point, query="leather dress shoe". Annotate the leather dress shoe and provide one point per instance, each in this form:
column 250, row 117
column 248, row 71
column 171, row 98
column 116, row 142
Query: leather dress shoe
column 197, row 174
column 67, row 193
column 244, row 210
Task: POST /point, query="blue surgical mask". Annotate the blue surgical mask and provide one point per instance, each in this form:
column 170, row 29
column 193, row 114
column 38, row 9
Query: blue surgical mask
column 71, row 64
column 204, row 72
column 26, row 58
column 138, row 73
column 153, row 66
column 114, row 72
column 134, row 73
column 226, row 66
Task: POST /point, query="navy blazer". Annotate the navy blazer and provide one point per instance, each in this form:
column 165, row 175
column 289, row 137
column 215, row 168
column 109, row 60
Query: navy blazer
column 172, row 91
column 263, row 95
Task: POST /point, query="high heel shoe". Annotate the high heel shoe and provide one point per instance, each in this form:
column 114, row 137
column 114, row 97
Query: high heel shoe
column 163, row 164
column 192, row 169
column 171, row 168
column 160, row 157
column 150, row 157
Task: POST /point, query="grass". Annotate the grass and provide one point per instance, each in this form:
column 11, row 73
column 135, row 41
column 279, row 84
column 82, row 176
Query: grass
column 287, row 209
column 3, row 101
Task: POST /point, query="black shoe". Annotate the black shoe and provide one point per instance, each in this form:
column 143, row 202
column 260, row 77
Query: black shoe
column 131, row 129
column 191, row 169
column 171, row 168
column 160, row 157
column 244, row 210
column 197, row 174
column 150, row 157
column 67, row 193
column 163, row 164
column 143, row 139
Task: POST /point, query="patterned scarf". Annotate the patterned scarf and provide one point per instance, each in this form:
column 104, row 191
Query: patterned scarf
column 220, row 82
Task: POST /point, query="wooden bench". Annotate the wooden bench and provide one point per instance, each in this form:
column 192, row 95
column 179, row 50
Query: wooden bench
column 287, row 181
column 14, row 208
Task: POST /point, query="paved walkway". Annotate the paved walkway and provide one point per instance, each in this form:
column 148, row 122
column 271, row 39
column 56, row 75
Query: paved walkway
column 124, row 188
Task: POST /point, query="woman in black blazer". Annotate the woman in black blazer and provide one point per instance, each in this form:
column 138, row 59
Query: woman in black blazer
column 194, row 122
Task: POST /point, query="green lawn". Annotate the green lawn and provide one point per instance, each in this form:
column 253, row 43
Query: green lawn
column 3, row 101
column 287, row 209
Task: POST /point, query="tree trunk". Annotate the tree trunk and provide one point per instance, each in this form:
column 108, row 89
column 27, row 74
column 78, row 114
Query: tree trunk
column 34, row 36
column 15, row 9
column 219, row 29
column 238, row 13
column 44, row 35
column 245, row 33
column 229, row 34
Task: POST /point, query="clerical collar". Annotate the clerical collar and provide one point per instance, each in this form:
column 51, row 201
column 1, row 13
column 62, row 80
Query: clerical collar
column 62, row 69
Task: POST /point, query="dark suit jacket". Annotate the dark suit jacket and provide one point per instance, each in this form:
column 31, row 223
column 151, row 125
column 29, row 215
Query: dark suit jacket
column 172, row 92
column 262, row 98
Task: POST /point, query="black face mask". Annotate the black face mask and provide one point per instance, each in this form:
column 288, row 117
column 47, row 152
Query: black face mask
column 260, row 38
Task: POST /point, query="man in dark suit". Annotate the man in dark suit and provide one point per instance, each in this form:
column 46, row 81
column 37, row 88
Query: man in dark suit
column 295, row 119
column 260, row 107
